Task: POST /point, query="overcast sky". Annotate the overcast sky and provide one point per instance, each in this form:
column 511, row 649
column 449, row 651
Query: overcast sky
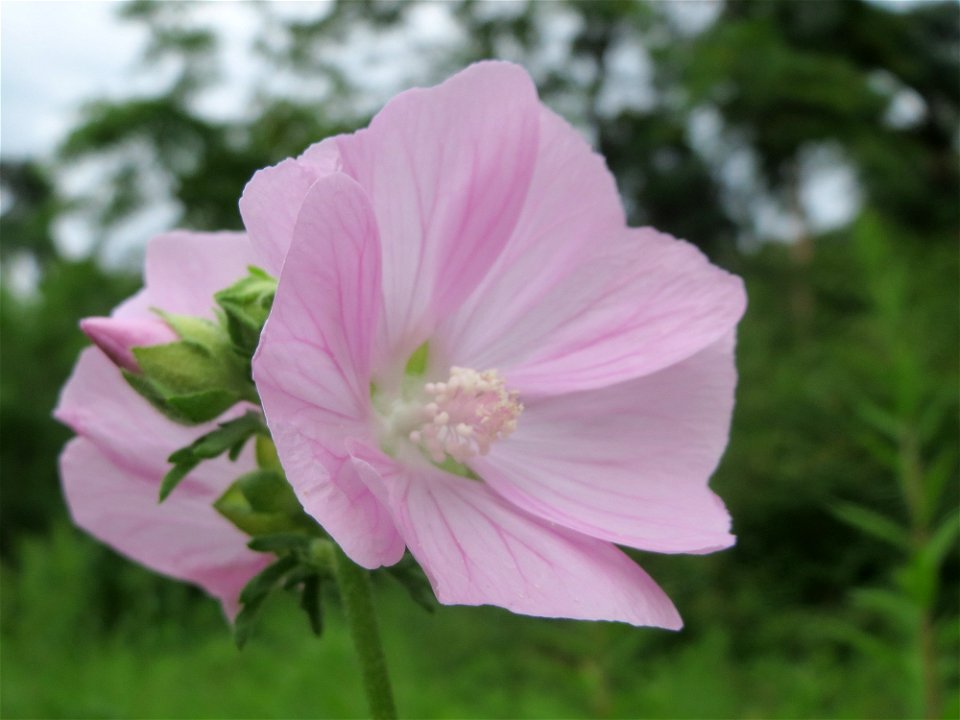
column 56, row 55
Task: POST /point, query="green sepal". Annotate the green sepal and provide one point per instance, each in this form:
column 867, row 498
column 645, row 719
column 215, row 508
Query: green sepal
column 230, row 437
column 262, row 503
column 279, row 542
column 255, row 593
column 267, row 458
column 194, row 379
column 201, row 407
column 310, row 603
column 409, row 574
column 245, row 306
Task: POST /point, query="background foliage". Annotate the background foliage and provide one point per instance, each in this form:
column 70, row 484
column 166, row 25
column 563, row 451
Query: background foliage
column 840, row 598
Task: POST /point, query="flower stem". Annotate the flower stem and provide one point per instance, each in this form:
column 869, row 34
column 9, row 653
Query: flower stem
column 355, row 591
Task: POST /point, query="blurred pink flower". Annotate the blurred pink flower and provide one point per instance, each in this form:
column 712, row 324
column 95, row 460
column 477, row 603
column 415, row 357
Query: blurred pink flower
column 111, row 472
column 578, row 381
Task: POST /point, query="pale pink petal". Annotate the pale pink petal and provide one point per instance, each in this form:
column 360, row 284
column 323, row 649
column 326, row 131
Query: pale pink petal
column 447, row 169
column 312, row 368
column 185, row 269
column 184, row 537
column 572, row 205
column 116, row 337
column 478, row 550
column 643, row 302
column 332, row 492
column 627, row 463
column 271, row 201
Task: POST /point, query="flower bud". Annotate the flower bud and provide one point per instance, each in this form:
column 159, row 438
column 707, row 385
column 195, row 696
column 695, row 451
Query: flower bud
column 116, row 337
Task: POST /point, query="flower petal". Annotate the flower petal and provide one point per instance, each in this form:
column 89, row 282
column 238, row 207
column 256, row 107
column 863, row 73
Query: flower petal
column 184, row 269
column 572, row 203
column 271, row 201
column 644, row 302
column 627, row 463
column 447, row 169
column 312, row 368
column 332, row 492
column 478, row 550
column 184, row 537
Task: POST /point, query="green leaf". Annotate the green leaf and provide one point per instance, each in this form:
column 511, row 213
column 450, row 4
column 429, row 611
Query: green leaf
column 279, row 542
column 263, row 582
column 409, row 574
column 872, row 523
column 175, row 476
column 310, row 603
column 942, row 541
column 225, row 437
column 245, row 306
column 229, row 436
column 417, row 364
column 255, row 593
column 895, row 606
column 203, row 406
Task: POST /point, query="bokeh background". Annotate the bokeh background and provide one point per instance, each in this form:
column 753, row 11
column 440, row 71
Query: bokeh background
column 811, row 147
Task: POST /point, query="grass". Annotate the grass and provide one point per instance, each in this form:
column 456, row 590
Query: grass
column 163, row 653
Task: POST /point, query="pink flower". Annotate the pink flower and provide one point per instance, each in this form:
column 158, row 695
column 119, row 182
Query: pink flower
column 111, row 473
column 576, row 386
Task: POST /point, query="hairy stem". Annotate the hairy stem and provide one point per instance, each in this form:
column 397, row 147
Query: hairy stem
column 355, row 591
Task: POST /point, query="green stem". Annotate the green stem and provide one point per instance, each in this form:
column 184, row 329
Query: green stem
column 355, row 591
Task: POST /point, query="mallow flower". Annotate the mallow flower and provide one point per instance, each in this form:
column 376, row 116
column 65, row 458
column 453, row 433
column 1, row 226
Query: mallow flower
column 471, row 356
column 112, row 470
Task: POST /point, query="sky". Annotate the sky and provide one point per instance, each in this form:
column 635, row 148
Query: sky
column 56, row 55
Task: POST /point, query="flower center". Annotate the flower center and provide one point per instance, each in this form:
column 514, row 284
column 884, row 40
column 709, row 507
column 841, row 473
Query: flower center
column 460, row 418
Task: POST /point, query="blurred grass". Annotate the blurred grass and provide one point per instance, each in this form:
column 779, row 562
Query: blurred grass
column 64, row 660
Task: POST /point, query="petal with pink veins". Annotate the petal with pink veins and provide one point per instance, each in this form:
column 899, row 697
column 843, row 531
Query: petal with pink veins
column 644, row 302
column 312, row 368
column 571, row 205
column 184, row 537
column 479, row 550
column 627, row 463
column 185, row 269
column 447, row 170
column 271, row 200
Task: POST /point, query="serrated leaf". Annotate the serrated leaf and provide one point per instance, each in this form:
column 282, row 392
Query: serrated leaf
column 872, row 523
column 223, row 438
column 228, row 436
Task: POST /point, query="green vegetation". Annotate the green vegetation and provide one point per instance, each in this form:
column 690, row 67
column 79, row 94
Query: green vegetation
column 840, row 597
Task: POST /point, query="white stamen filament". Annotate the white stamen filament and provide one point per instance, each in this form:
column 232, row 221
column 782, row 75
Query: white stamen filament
column 465, row 415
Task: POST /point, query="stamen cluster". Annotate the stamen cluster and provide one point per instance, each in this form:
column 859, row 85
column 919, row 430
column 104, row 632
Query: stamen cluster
column 466, row 414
